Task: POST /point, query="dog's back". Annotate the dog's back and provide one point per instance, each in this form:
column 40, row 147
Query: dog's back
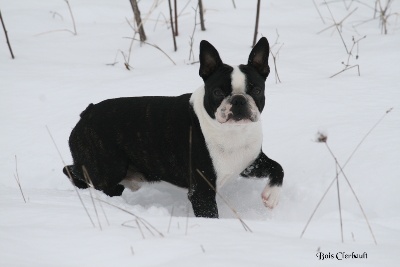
column 114, row 136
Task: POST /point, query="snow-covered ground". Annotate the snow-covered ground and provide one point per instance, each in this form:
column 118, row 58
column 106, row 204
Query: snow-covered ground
column 56, row 75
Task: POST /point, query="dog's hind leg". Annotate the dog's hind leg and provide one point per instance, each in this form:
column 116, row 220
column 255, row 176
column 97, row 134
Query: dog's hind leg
column 104, row 163
column 100, row 182
column 75, row 176
column 106, row 171
column 114, row 191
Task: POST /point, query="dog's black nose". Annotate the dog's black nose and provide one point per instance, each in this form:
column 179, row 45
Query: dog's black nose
column 238, row 100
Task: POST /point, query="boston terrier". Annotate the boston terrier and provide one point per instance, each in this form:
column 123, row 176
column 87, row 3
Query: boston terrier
column 196, row 141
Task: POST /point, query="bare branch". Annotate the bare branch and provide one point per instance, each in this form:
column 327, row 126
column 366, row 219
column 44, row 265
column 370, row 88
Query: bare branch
column 256, row 26
column 72, row 17
column 201, row 10
column 138, row 20
column 16, row 176
column 191, row 41
column 172, row 24
column 354, row 194
column 176, row 17
column 341, row 169
column 158, row 48
column 140, row 219
column 5, row 32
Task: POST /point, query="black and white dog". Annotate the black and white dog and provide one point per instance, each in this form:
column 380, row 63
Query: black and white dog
column 216, row 131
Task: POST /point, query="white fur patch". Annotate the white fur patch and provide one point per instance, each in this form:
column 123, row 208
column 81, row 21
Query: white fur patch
column 223, row 111
column 133, row 181
column 270, row 196
column 232, row 147
column 238, row 81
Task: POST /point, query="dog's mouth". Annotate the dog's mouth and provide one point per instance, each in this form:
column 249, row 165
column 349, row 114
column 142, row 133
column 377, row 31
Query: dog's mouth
column 230, row 112
column 239, row 119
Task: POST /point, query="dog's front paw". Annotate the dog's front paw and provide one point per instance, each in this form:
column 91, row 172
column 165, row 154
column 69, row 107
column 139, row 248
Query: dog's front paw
column 270, row 196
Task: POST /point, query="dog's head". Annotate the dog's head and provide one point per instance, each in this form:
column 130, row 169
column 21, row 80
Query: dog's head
column 234, row 95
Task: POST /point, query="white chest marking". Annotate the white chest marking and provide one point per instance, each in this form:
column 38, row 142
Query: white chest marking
column 232, row 150
column 232, row 147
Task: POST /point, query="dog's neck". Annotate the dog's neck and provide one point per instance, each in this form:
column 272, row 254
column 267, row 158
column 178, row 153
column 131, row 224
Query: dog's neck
column 232, row 147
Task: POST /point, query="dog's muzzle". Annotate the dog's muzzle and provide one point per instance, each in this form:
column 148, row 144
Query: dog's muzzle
column 237, row 109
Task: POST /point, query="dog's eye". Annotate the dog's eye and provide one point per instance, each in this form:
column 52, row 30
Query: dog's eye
column 218, row 92
column 256, row 90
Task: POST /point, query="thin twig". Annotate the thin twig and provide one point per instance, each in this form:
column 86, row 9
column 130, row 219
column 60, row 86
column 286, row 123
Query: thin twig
column 234, row 4
column 191, row 41
column 354, row 194
column 383, row 16
column 274, row 56
column 245, row 226
column 57, row 14
column 140, row 228
column 70, row 177
column 339, row 202
column 367, row 134
column 155, row 46
column 48, row 32
column 183, row 9
column 158, row 19
column 16, row 176
column 319, row 13
column 347, row 65
column 115, row 59
column 143, row 221
column 90, row 184
column 128, row 58
column 72, row 16
column 170, row 219
column 256, row 26
column 137, row 31
column 316, row 208
column 187, row 218
column 345, row 164
column 347, row 68
column 5, row 32
column 126, row 224
column 337, row 24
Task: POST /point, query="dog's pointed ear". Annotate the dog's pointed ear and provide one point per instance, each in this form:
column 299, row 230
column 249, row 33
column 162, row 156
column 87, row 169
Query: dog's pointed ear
column 258, row 57
column 209, row 59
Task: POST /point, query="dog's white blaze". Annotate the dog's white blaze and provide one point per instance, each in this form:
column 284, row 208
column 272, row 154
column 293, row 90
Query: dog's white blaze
column 238, row 81
column 232, row 147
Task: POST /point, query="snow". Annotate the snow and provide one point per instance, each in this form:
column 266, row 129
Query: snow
column 56, row 75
